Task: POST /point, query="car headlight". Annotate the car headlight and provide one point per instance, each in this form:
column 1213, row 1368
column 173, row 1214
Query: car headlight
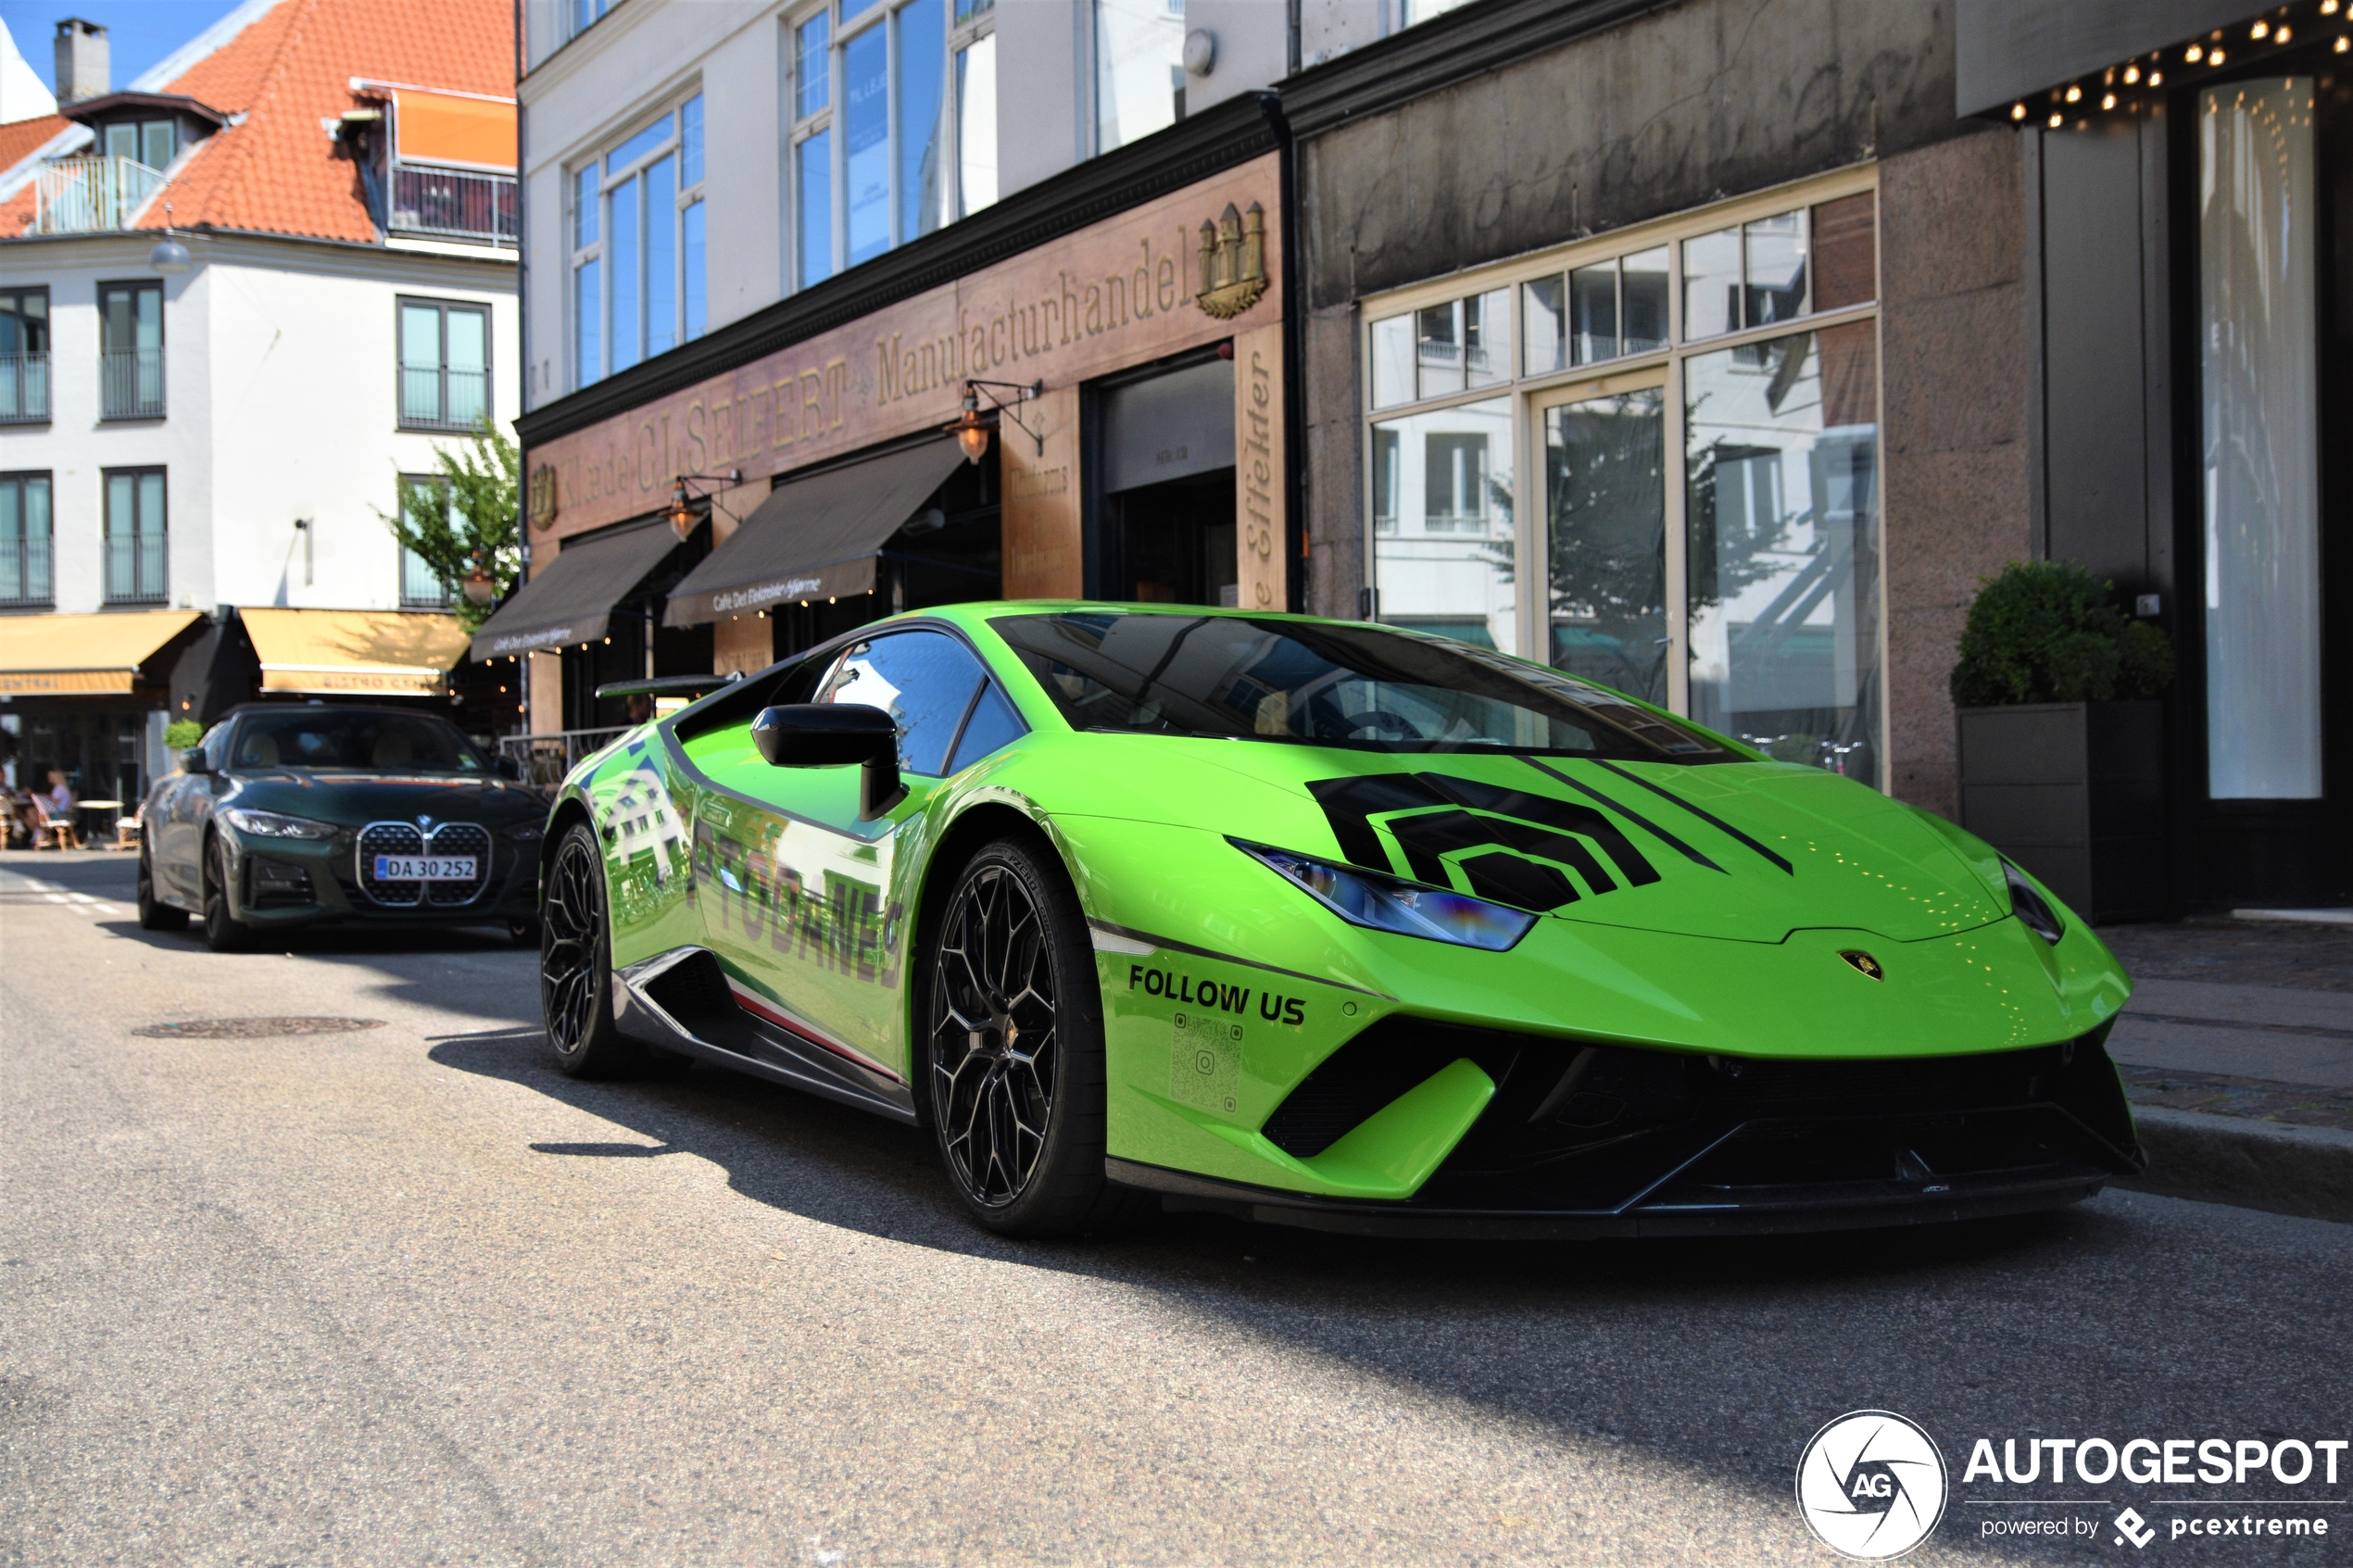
column 2031, row 906
column 523, row 832
column 273, row 824
column 1389, row 903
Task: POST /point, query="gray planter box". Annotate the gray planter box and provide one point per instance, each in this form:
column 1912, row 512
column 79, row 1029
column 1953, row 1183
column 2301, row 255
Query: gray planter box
column 2075, row 793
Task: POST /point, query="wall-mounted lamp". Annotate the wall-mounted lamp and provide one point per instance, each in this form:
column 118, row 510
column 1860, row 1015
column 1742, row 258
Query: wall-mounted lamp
column 682, row 514
column 477, row 584
column 971, row 430
column 169, row 257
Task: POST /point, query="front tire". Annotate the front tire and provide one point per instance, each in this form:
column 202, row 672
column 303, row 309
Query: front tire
column 1014, row 1054
column 223, row 932
column 154, row 914
column 575, row 965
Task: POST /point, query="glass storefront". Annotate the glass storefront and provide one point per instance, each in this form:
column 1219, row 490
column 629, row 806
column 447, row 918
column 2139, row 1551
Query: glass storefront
column 1745, row 589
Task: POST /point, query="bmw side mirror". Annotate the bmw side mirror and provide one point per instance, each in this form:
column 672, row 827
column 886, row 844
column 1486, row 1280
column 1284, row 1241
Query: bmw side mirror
column 192, row 760
column 508, row 768
column 834, row 735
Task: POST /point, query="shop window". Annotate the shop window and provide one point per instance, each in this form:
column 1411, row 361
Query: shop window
column 24, row 355
column 424, row 496
column 894, row 127
column 130, row 351
column 1781, row 472
column 1763, row 617
column 638, row 245
column 1443, row 552
column 1410, row 12
column 25, row 537
column 444, row 365
column 2259, row 363
column 136, row 559
column 1139, row 69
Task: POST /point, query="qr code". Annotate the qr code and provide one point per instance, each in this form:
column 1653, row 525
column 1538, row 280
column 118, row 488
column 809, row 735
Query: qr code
column 1205, row 1061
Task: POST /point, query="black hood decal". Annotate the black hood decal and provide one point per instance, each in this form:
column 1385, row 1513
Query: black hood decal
column 1527, row 831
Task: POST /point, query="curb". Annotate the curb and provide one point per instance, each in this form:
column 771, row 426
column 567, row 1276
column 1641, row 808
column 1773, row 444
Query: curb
column 2275, row 1166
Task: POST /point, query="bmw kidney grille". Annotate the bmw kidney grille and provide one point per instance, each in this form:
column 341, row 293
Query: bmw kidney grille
column 405, row 838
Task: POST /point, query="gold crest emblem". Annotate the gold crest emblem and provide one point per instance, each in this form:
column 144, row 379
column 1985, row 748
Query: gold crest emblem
column 1233, row 262
column 542, row 504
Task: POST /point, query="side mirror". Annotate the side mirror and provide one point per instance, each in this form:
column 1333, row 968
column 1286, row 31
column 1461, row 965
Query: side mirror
column 192, row 760
column 508, row 768
column 834, row 734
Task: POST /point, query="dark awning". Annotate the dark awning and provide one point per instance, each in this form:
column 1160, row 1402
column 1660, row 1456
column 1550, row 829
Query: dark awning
column 571, row 599
column 814, row 538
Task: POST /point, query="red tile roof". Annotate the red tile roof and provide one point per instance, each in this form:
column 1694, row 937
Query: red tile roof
column 277, row 172
column 21, row 138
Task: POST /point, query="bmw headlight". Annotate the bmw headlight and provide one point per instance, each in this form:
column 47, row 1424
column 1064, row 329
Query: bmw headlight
column 273, row 824
column 2031, row 906
column 523, row 832
column 1388, row 903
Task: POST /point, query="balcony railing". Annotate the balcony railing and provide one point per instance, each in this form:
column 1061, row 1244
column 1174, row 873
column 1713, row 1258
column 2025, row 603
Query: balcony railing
column 439, row 400
column 24, row 571
column 131, row 384
column 24, row 389
column 450, row 204
column 135, row 570
column 87, row 195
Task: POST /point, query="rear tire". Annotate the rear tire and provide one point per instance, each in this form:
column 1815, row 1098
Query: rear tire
column 575, row 965
column 1012, row 1071
column 154, row 915
column 223, row 932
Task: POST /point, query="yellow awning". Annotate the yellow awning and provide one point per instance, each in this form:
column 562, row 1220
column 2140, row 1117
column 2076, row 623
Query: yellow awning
column 354, row 652
column 47, row 654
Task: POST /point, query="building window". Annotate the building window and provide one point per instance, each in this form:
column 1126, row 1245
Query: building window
column 153, row 143
column 1744, row 590
column 1409, row 12
column 444, row 365
column 130, row 351
column 1139, row 69
column 894, row 126
column 135, row 535
column 25, row 541
column 420, row 587
column 582, row 15
column 638, row 246
column 24, row 355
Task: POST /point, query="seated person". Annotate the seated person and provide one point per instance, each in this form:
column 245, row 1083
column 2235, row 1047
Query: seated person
column 60, row 798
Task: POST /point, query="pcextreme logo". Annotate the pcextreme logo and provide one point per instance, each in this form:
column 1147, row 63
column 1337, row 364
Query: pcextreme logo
column 1872, row 1486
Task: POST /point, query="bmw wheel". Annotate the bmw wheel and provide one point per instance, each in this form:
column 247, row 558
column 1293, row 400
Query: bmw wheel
column 223, row 932
column 575, row 965
column 154, row 914
column 1014, row 1048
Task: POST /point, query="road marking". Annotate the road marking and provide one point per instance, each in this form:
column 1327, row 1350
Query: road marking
column 53, row 894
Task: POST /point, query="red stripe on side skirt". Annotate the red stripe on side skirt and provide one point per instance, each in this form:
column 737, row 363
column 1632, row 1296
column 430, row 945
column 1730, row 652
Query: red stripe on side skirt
column 757, row 1008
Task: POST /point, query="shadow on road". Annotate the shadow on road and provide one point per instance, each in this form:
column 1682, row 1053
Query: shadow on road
column 2131, row 1316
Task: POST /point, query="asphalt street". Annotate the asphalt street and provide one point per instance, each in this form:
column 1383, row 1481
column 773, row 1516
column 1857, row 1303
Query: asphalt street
column 404, row 1294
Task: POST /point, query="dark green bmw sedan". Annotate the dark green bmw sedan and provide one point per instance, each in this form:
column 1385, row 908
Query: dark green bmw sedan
column 295, row 816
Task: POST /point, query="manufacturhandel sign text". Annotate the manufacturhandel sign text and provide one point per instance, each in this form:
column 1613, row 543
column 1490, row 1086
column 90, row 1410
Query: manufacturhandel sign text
column 1123, row 291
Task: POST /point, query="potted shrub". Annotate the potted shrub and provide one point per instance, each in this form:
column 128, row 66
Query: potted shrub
column 2062, row 741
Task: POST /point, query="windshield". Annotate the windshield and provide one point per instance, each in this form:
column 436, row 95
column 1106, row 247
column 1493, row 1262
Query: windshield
column 1365, row 687
column 355, row 739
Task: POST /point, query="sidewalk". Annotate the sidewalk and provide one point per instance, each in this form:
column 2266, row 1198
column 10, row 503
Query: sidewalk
column 2238, row 1052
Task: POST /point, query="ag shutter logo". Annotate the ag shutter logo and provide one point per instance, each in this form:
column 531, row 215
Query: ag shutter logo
column 1872, row 1486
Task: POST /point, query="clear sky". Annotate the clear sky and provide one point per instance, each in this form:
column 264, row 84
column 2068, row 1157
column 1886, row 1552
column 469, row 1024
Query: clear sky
column 138, row 32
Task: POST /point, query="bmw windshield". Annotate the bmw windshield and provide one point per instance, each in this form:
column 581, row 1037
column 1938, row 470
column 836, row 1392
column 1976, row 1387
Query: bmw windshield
column 355, row 740
column 1358, row 687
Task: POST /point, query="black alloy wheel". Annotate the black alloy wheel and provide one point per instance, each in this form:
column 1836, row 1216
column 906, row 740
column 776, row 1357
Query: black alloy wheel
column 223, row 932
column 154, row 914
column 1014, row 1051
column 575, row 966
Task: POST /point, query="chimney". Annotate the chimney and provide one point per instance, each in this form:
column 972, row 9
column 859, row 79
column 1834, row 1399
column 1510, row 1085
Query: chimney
column 82, row 71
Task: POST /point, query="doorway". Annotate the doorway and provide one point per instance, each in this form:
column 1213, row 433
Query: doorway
column 1162, row 523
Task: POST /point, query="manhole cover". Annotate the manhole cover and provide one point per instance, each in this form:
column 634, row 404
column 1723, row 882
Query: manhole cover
column 255, row 1028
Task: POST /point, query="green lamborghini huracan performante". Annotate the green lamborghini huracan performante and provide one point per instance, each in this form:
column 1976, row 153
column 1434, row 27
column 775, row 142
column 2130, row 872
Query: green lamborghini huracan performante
column 1325, row 924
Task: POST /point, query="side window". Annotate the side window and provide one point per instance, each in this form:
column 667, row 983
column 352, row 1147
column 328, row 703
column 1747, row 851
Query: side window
column 216, row 748
column 993, row 723
column 924, row 680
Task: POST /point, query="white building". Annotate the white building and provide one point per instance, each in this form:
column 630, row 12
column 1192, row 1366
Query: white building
column 185, row 438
